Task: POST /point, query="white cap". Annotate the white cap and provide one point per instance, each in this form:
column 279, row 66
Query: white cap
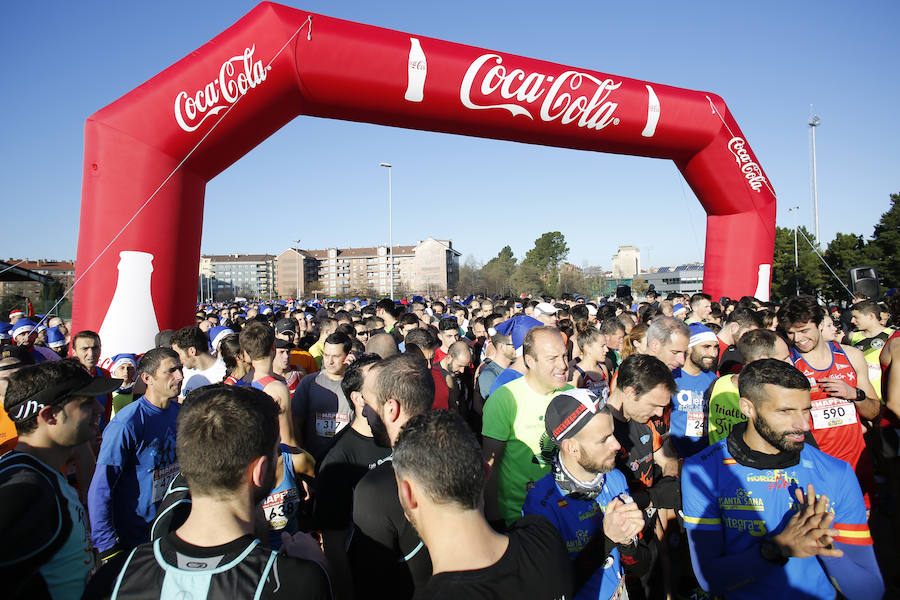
column 545, row 308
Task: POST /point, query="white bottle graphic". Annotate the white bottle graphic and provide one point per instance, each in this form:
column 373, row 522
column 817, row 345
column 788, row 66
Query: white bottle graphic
column 130, row 323
column 762, row 282
column 417, row 70
column 652, row 113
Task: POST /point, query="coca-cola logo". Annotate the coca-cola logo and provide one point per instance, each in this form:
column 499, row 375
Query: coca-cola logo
column 752, row 171
column 570, row 97
column 237, row 76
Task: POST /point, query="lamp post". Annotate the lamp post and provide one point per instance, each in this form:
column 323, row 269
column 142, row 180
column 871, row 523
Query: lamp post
column 390, row 226
column 794, row 210
column 297, row 249
column 814, row 122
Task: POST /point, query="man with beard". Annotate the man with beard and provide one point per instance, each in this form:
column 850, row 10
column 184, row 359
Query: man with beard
column 752, row 530
column 587, row 499
column 688, row 422
column 387, row 558
column 227, row 448
column 841, row 391
column 440, row 480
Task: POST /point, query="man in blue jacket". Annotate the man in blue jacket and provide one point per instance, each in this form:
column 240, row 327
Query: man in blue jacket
column 768, row 516
column 587, row 499
column 137, row 460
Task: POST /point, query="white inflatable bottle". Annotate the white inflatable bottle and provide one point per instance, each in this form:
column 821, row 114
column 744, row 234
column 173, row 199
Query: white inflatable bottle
column 130, row 323
column 417, row 70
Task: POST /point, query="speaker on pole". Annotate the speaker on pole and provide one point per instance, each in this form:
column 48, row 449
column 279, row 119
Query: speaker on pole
column 623, row 290
column 864, row 280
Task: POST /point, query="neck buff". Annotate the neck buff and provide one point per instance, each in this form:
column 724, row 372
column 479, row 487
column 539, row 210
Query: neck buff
column 748, row 457
column 573, row 488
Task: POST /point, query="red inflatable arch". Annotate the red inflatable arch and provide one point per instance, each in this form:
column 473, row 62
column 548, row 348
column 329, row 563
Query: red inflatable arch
column 278, row 62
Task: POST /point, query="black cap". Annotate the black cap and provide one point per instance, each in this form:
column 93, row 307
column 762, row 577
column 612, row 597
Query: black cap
column 20, row 354
column 81, row 383
column 285, row 326
column 569, row 411
column 280, row 343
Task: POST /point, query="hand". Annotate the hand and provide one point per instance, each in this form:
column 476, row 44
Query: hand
column 622, row 521
column 837, row 388
column 302, row 545
column 808, row 532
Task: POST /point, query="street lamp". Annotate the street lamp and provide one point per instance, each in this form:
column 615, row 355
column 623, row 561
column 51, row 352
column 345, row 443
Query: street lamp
column 794, row 210
column 814, row 122
column 390, row 226
column 297, row 249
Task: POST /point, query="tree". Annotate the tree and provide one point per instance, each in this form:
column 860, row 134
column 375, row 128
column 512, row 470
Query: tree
column 498, row 272
column 884, row 249
column 639, row 285
column 549, row 250
column 785, row 276
column 571, row 281
column 527, row 280
column 471, row 277
column 844, row 251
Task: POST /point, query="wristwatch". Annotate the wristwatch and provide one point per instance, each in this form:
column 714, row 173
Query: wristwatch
column 772, row 552
column 860, row 395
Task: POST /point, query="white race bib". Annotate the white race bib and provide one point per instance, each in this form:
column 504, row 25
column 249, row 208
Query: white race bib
column 328, row 424
column 833, row 412
column 162, row 477
column 694, row 424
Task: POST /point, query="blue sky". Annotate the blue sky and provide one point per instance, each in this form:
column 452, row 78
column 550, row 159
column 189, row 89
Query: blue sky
column 768, row 60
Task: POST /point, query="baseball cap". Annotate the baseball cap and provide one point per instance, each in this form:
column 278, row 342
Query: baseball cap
column 545, row 308
column 569, row 411
column 280, row 343
column 81, row 383
column 285, row 326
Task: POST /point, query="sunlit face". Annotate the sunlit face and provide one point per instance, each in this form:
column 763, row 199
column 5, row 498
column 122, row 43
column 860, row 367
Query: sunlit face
column 805, row 336
column 459, row 365
column 702, row 309
column 783, row 419
column 782, row 352
column 597, row 446
column 448, row 336
column 597, row 349
column 652, row 404
column 546, row 319
column 125, row 372
column 672, row 353
column 87, row 351
column 479, row 330
column 614, row 340
column 705, row 355
column 166, row 382
column 863, row 320
column 547, row 364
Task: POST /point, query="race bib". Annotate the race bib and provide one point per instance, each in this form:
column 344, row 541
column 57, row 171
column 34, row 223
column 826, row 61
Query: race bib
column 621, row 592
column 329, row 423
column 694, row 426
column 833, row 413
column 162, row 477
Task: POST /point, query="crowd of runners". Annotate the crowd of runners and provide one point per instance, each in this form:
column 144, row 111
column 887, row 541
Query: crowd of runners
column 545, row 448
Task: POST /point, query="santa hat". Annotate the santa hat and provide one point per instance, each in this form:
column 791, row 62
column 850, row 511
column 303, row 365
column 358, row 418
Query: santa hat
column 22, row 326
column 217, row 334
column 16, row 313
column 700, row 334
column 54, row 338
column 123, row 359
column 516, row 328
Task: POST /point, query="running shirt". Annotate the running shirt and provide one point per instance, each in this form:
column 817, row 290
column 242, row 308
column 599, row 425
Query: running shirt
column 724, row 408
column 136, row 464
column 871, row 349
column 387, row 557
column 195, row 378
column 638, row 442
column 441, row 389
column 320, row 411
column 534, row 567
column 352, row 456
column 486, row 377
column 730, row 507
column 171, row 569
column 505, row 376
column 281, row 505
column 835, row 424
column 9, row 437
column 688, row 421
column 580, row 522
column 45, row 550
column 514, row 414
column 597, row 384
